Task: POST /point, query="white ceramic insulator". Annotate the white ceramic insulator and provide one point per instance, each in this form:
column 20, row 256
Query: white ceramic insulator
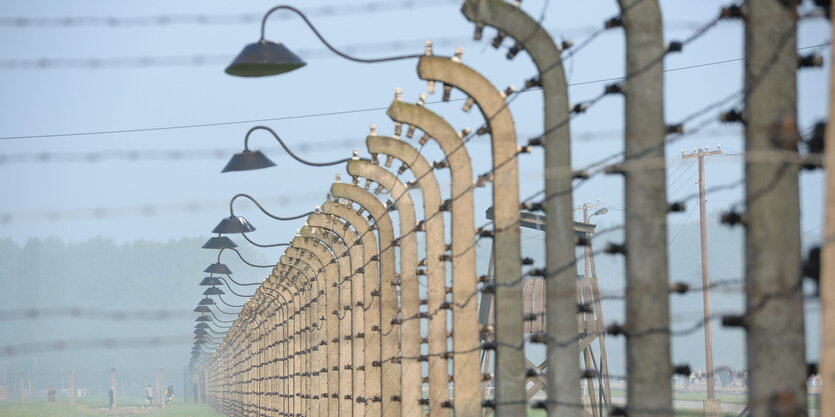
column 459, row 53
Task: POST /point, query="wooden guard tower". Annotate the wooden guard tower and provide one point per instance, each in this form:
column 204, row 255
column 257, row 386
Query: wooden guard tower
column 590, row 323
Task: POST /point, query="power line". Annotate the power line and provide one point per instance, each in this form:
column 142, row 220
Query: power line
column 324, row 114
column 88, row 344
column 223, row 59
column 178, row 155
column 149, row 210
column 212, row 19
column 85, row 313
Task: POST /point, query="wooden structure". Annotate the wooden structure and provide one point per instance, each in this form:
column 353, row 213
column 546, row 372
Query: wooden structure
column 589, row 322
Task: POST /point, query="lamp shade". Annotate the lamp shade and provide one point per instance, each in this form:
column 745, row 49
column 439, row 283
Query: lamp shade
column 213, row 291
column 210, row 281
column 247, row 161
column 234, row 224
column 202, row 309
column 264, row 58
column 206, row 301
column 201, row 326
column 220, row 242
column 218, row 268
column 202, row 318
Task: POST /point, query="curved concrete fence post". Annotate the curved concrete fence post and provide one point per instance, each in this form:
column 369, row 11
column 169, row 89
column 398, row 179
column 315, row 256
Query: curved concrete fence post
column 341, row 260
column 411, row 392
column 367, row 343
column 355, row 238
column 774, row 320
column 316, row 263
column 648, row 361
column 511, row 398
column 466, row 340
column 284, row 277
column 300, row 352
column 387, row 333
column 349, row 386
column 328, row 273
column 433, row 226
column 562, row 361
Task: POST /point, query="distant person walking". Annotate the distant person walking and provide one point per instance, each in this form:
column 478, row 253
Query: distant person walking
column 111, row 395
column 149, row 395
column 51, row 394
column 169, row 394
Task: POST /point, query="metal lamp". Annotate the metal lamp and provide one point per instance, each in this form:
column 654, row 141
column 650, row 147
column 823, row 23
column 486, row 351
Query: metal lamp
column 265, row 57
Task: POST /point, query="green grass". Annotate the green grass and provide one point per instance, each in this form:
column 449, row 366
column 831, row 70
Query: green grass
column 678, row 413
column 696, row 396
column 88, row 408
column 46, row 409
column 176, row 409
column 101, row 402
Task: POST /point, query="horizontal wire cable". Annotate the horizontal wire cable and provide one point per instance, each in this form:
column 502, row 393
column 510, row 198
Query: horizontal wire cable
column 326, row 114
column 94, row 314
column 113, row 22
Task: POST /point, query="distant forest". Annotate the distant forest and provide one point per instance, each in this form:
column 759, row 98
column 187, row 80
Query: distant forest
column 105, row 275
column 146, row 275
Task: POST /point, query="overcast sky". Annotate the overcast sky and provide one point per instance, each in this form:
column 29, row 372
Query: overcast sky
column 323, row 110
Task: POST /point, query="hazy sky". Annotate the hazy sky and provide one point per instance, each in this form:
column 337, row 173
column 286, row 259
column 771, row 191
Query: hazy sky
column 324, row 110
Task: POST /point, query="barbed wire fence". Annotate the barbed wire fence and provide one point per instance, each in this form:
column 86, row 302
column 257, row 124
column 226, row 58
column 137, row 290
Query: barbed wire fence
column 242, row 378
column 298, row 346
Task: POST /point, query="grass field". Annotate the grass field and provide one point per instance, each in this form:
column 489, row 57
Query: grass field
column 96, row 409
column 44, row 409
column 184, row 410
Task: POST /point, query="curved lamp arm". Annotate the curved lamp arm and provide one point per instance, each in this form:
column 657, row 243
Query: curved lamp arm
column 293, row 155
column 257, row 204
column 220, row 327
column 233, row 291
column 327, row 44
column 214, row 317
column 214, row 332
column 243, row 260
column 218, row 309
column 227, row 304
column 272, row 245
column 210, row 339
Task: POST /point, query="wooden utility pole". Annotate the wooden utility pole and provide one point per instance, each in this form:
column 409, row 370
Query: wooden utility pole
column 20, row 389
column 700, row 154
column 71, row 388
column 827, row 279
column 160, row 387
column 113, row 385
